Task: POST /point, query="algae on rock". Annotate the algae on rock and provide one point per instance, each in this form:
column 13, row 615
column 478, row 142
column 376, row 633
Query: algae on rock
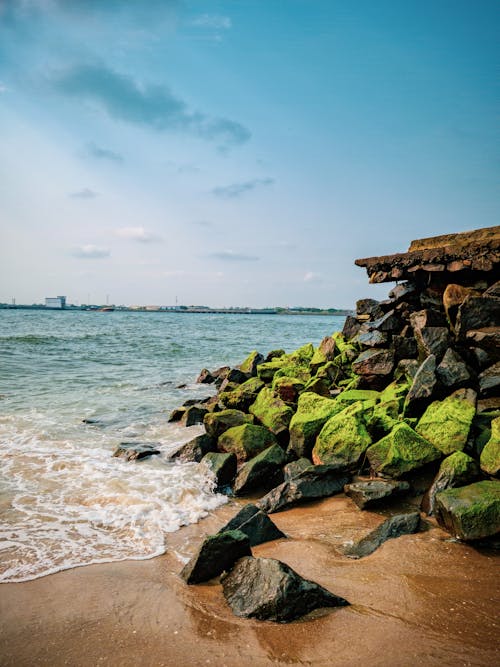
column 313, row 411
column 344, row 437
column 470, row 512
column 246, row 441
column 446, row 423
column 490, row 456
column 272, row 412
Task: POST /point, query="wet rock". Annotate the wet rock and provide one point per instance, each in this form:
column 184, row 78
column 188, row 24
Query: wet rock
column 477, row 312
column 205, row 377
column 134, row 451
column 246, row 441
column 374, row 492
column 269, row 590
column 489, row 380
column 313, row 411
column 490, row 455
column 222, row 465
column 452, row 372
column 177, row 414
column 195, row 449
column 310, row 484
column 256, row 525
column 351, row 327
column 344, row 438
column 294, row 468
column 194, row 414
column 220, row 375
column 217, row 554
column 263, row 471
column 242, row 396
column 458, row 469
column 374, row 362
column 400, row 524
column 216, row 423
column 401, row 451
column 236, row 376
column 470, row 512
column 273, row 413
column 369, row 307
column 251, row 362
column 446, row 424
column 423, row 385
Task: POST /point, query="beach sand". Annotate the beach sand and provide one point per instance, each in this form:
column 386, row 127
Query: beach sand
column 418, row 600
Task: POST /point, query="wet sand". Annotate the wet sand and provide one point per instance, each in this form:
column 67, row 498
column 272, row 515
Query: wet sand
column 420, row 599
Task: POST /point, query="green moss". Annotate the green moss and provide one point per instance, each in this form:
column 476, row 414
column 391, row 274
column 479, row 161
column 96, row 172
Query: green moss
column 490, row 456
column 446, row 423
column 303, row 355
column 318, row 386
column 246, row 441
column 313, row 411
column 395, row 391
column 293, row 371
column 457, row 465
column 217, row 423
column 353, row 395
column 271, row 411
column 401, row 451
column 243, row 395
column 470, row 512
column 248, row 366
column 284, row 381
column 267, row 370
column 344, row 437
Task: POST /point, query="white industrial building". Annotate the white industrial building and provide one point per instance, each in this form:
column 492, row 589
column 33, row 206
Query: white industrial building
column 55, row 302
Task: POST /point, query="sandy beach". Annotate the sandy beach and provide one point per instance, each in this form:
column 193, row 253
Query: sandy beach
column 420, row 599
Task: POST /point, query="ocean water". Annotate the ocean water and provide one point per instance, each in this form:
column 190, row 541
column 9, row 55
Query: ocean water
column 65, row 500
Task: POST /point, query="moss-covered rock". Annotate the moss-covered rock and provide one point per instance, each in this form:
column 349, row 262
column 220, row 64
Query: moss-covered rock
column 251, row 362
column 272, row 412
column 216, row 423
column 246, row 441
column 263, row 471
column 470, row 512
column 350, row 396
column 401, row 451
column 313, row 411
column 287, row 388
column 344, row 438
column 458, row 469
column 267, row 370
column 222, row 465
column 490, row 456
column 243, row 396
column 303, row 355
column 295, row 371
column 318, row 386
column 446, row 423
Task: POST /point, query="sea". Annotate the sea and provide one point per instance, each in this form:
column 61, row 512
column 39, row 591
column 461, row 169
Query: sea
column 73, row 386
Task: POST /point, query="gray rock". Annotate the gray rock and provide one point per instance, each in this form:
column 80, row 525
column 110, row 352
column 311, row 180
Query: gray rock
column 177, row 414
column 423, row 385
column 369, row 307
column 294, row 468
column 432, row 340
column 374, row 362
column 399, row 524
column 263, row 471
column 477, row 312
column 372, row 339
column 374, row 492
column 222, row 465
column 404, row 348
column 470, row 512
column 389, row 322
column 351, row 327
column 195, row 449
column 269, row 590
column 205, row 377
column 216, row 554
column 456, row 470
column 452, row 371
column 134, row 451
column 489, row 381
column 194, row 415
column 255, row 524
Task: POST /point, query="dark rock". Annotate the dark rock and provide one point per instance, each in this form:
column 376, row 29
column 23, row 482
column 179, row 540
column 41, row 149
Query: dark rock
column 432, row 298
column 423, row 386
column 374, row 492
column 432, row 340
column 404, row 348
column 318, row 386
column 294, row 468
column 407, row 368
column 372, row 339
column 255, row 524
column 220, row 375
column 263, row 471
column 288, row 389
column 403, row 292
column 374, row 362
column 452, row 371
column 222, row 465
column 477, row 312
column 478, row 358
column 369, row 307
column 489, row 381
column 422, row 319
column 251, row 362
column 195, row 449
column 458, row 469
column 216, row 423
column 389, row 322
column 216, row 554
column 134, row 451
column 177, row 414
column 237, row 376
column 351, row 327
column 312, row 483
column 470, row 512
column 196, row 401
column 269, row 590
column 275, row 354
column 205, row 377
column 493, row 290
column 395, row 526
column 242, row 397
column 488, row 339
column 194, row 415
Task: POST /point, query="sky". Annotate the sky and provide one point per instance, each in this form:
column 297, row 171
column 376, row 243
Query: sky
column 238, row 152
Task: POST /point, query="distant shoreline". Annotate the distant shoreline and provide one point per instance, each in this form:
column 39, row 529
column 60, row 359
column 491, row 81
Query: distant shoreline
column 200, row 311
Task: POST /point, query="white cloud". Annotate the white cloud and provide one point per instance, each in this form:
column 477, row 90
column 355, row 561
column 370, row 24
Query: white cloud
column 213, row 21
column 311, row 277
column 136, row 234
column 91, row 252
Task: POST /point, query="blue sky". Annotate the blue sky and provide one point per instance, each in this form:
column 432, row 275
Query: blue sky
column 238, row 152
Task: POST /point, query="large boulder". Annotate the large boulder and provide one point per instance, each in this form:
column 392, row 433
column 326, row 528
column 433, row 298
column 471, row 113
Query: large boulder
column 489, row 381
column 405, row 523
column 313, row 411
column 251, row 362
column 255, row 524
column 490, row 455
column 195, row 449
column 477, row 312
column 446, row 424
column 223, row 467
column 216, row 554
column 217, row 423
column 309, row 484
column 243, row 396
column 194, row 414
column 269, row 590
column 272, row 412
column 374, row 491
column 246, row 441
column 452, row 371
column 432, row 340
column 374, row 362
column 267, row 369
column 423, row 385
column 402, row 451
column 263, row 471
column 470, row 512
column 458, row 469
column 344, row 438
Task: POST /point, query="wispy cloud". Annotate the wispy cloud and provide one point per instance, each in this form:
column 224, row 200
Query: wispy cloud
column 103, row 153
column 231, row 256
column 137, row 234
column 212, row 21
column 154, row 106
column 237, row 189
column 86, row 193
column 311, row 277
column 90, row 252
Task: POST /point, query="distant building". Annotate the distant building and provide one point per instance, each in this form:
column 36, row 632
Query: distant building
column 58, row 302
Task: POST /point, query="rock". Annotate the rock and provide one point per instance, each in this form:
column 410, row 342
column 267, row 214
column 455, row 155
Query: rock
column 288, row 389
column 326, row 351
column 404, row 348
column 318, row 385
column 477, row 312
column 194, row 414
column 344, row 438
column 401, row 451
column 242, row 396
column 389, row 322
column 134, row 451
column 216, row 554
column 374, row 492
column 490, row 456
column 453, row 297
column 489, row 380
column 310, row 484
column 263, row 471
column 216, row 423
column 292, row 371
column 251, row 362
column 446, row 424
column 303, row 355
column 222, row 465
column 422, row 386
column 369, row 307
column 452, row 372
column 195, row 449
column 256, row 525
column 275, row 354
column 351, row 327
column 458, row 469
column 470, row 512
column 372, row 339
column 266, row 370
column 422, row 319
column 407, row 368
column 246, row 441
column 395, row 526
column 177, row 414
column 432, row 340
column 488, row 341
column 205, row 377
column 269, row 590
column 402, row 292
column 294, row 468
column 313, row 411
column 272, row 412
column 493, row 290
column 374, row 362
column 220, row 375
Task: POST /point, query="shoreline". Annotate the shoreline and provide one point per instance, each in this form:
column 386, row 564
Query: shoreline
column 407, row 604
